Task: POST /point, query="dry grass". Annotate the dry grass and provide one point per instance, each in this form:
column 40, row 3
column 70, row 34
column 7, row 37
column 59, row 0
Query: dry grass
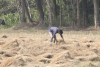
column 32, row 48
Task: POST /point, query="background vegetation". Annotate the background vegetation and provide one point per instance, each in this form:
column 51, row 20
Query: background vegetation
column 65, row 12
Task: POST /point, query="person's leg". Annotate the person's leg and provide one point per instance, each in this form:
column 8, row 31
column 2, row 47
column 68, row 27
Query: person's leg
column 50, row 37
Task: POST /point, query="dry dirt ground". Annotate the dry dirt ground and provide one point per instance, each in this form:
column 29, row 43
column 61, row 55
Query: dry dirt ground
column 34, row 49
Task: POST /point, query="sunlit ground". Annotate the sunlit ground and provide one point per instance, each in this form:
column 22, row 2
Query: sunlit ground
column 32, row 48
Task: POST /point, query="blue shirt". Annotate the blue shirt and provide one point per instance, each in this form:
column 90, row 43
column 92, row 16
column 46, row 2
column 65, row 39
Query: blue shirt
column 54, row 30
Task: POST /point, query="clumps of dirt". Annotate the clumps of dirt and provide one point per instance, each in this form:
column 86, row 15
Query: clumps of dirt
column 49, row 56
column 16, row 61
column 63, row 47
column 45, row 60
column 88, row 46
column 88, row 64
column 87, row 41
column 4, row 36
column 60, row 41
column 45, row 39
column 16, row 49
column 60, row 56
column 1, row 42
column 7, row 62
column 7, row 55
column 89, row 55
column 36, row 51
column 2, row 52
column 11, row 44
column 19, row 61
column 95, row 50
column 28, row 59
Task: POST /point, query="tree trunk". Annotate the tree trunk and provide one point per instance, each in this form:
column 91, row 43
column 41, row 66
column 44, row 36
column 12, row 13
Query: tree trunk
column 85, row 14
column 23, row 11
column 96, row 13
column 78, row 15
column 60, row 12
column 74, row 13
column 40, row 11
column 54, row 11
column 44, row 9
column 50, row 16
column 29, row 8
column 27, row 13
column 17, row 5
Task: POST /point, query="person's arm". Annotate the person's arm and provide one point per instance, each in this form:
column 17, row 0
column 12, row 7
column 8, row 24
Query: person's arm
column 62, row 37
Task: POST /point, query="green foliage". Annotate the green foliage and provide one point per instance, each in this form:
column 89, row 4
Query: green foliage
column 10, row 20
column 67, row 13
column 3, row 4
column 34, row 14
column 10, row 16
column 12, row 1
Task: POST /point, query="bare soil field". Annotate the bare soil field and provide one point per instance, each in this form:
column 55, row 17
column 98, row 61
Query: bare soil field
column 32, row 48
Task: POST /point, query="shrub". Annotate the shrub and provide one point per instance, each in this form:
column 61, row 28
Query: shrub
column 10, row 19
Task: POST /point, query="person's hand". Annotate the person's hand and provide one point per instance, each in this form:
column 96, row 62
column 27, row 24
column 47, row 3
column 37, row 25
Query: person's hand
column 64, row 41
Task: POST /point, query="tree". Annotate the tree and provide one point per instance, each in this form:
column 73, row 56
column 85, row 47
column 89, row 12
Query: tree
column 23, row 11
column 60, row 12
column 40, row 11
column 54, row 10
column 85, row 13
column 28, row 7
column 74, row 14
column 27, row 12
column 44, row 9
column 78, row 14
column 50, row 16
column 96, row 13
column 18, row 8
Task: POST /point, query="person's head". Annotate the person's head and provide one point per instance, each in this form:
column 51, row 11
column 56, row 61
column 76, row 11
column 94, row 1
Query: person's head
column 60, row 31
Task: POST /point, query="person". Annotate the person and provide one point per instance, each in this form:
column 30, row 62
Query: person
column 52, row 31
